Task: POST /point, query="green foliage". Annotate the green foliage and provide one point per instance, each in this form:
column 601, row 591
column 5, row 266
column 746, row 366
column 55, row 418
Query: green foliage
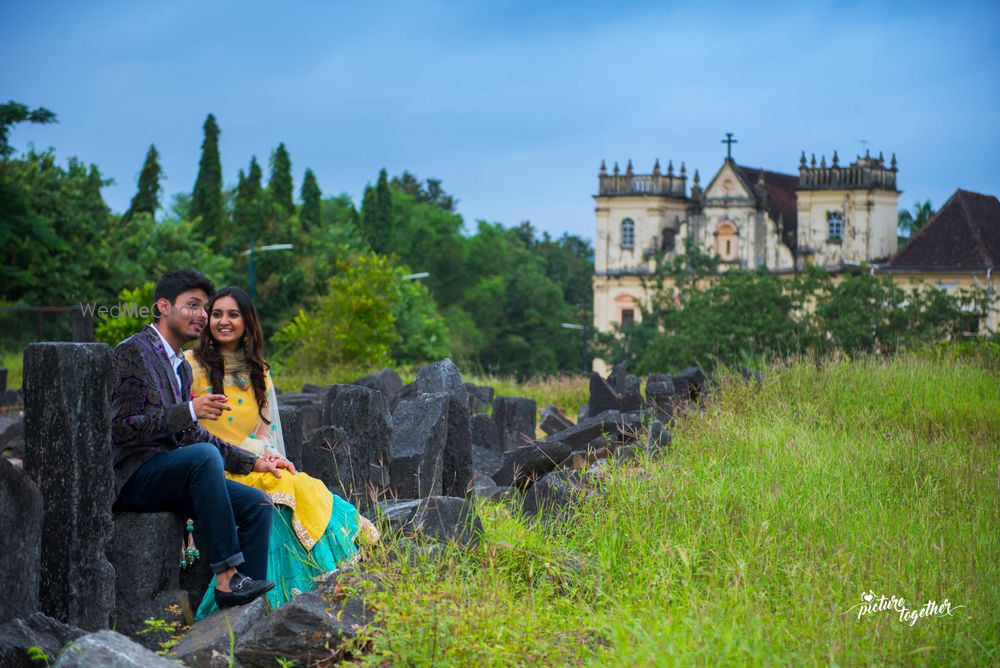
column 249, row 204
column 54, row 241
column 206, row 200
column 353, row 323
column 696, row 315
column 430, row 192
column 12, row 113
column 125, row 321
column 428, row 238
column 911, row 223
column 147, row 199
column 422, row 334
column 778, row 505
column 377, row 222
column 516, row 307
column 145, row 250
column 310, row 215
column 280, row 184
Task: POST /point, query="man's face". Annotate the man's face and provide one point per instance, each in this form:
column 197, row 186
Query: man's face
column 187, row 316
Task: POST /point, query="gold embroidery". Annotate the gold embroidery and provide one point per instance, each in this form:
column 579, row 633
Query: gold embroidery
column 303, row 535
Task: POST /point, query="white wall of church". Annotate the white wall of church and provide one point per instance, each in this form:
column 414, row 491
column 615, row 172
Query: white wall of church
column 868, row 225
column 649, row 214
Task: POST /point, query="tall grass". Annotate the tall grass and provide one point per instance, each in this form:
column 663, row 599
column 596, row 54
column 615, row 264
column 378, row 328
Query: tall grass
column 746, row 545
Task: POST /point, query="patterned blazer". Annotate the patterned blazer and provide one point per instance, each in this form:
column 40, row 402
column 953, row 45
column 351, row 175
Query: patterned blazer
column 149, row 415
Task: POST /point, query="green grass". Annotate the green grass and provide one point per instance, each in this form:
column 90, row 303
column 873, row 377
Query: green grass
column 13, row 361
column 777, row 508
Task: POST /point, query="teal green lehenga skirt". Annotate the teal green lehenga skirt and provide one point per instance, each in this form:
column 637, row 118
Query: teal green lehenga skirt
column 290, row 566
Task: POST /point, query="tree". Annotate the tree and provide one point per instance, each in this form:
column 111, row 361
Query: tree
column 147, row 199
column 353, row 323
column 911, row 223
column 13, row 113
column 309, row 217
column 56, row 231
column 206, row 200
column 280, row 183
column 248, row 205
column 376, row 216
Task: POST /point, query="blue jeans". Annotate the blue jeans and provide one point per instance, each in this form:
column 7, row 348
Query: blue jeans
column 235, row 519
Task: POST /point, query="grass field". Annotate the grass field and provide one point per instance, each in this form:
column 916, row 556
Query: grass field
column 750, row 543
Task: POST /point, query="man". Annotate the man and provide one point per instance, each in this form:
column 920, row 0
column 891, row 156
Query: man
column 165, row 461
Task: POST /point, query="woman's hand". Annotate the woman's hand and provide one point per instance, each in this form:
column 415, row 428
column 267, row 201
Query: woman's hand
column 271, row 461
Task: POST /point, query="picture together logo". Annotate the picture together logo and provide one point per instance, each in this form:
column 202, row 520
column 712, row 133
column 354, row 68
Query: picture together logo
column 871, row 604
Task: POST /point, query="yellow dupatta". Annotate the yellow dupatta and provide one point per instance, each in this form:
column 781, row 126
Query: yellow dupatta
column 308, row 498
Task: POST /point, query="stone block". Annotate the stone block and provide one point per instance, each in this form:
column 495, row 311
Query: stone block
column 515, row 421
column 416, row 449
column 21, row 509
column 67, row 430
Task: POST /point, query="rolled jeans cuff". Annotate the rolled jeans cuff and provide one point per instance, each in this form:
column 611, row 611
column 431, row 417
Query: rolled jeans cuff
column 231, row 562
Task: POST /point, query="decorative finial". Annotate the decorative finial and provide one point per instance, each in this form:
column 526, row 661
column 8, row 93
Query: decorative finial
column 836, row 160
column 656, row 167
column 881, row 159
column 697, row 179
column 813, row 163
column 683, row 171
column 628, row 168
column 822, row 162
column 604, row 169
column 892, row 165
column 802, row 161
column 670, row 168
column 616, row 168
column 868, row 153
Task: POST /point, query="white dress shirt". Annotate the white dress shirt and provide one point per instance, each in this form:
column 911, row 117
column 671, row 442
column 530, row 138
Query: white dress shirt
column 175, row 360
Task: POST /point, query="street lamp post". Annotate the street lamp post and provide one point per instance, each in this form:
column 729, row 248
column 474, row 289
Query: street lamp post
column 249, row 252
column 583, row 329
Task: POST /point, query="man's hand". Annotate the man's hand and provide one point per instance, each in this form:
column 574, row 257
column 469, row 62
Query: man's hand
column 210, row 406
column 272, row 462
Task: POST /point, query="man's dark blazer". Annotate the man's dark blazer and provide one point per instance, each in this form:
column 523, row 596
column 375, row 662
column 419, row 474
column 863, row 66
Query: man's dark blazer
column 150, row 414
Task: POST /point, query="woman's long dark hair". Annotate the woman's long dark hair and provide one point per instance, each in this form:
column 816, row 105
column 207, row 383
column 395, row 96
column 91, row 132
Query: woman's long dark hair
column 209, row 353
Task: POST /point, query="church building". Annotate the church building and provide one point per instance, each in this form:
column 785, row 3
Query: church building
column 830, row 215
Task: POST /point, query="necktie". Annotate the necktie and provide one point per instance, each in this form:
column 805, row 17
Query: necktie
column 184, row 369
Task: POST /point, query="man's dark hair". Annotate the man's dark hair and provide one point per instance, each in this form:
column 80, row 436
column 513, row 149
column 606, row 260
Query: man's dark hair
column 175, row 282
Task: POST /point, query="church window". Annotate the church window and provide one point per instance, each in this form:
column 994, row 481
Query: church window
column 628, row 233
column 727, row 242
column 834, row 226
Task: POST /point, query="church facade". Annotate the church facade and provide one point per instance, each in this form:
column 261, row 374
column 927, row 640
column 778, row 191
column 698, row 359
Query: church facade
column 830, row 215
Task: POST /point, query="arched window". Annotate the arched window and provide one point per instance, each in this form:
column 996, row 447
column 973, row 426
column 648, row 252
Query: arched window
column 834, row 226
column 628, row 233
column 727, row 241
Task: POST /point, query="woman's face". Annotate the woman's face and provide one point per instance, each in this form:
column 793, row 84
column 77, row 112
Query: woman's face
column 226, row 322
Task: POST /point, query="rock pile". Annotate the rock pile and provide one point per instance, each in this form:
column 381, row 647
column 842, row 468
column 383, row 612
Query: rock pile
column 411, row 455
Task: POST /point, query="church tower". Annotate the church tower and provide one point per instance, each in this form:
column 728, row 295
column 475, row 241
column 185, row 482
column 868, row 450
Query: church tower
column 638, row 217
column 847, row 215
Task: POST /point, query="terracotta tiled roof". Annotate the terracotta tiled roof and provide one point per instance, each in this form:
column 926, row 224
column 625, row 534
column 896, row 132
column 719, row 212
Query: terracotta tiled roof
column 964, row 234
column 781, row 200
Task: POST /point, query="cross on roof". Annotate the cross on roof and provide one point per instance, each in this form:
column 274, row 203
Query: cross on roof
column 729, row 141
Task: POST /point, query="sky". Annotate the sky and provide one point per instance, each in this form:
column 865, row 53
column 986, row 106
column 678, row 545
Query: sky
column 513, row 105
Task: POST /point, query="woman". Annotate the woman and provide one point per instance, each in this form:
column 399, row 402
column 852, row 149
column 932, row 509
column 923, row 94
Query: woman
column 313, row 530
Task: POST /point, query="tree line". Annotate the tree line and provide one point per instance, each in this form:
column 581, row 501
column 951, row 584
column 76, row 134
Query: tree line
column 493, row 298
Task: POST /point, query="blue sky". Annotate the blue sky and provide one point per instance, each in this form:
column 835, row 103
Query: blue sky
column 512, row 104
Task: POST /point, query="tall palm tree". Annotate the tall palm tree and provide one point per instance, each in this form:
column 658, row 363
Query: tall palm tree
column 911, row 223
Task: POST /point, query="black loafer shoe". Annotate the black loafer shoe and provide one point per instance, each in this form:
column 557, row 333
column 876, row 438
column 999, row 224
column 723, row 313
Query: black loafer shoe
column 244, row 589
